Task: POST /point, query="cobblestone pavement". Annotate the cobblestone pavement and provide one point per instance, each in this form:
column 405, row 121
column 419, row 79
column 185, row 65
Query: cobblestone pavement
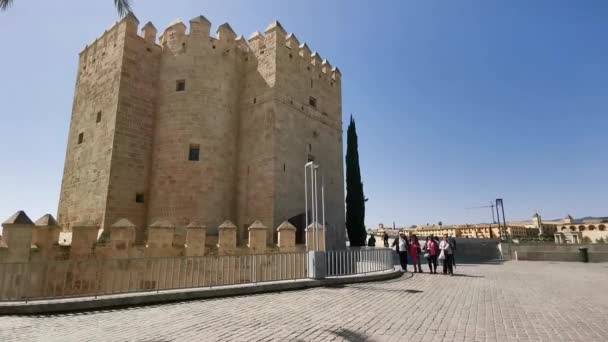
column 515, row 301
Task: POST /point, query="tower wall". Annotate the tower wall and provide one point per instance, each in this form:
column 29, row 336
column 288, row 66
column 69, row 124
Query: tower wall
column 86, row 173
column 256, row 158
column 128, row 193
column 114, row 110
column 204, row 114
column 304, row 132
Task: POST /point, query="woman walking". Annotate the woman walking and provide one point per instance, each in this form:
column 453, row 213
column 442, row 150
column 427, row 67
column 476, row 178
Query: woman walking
column 446, row 249
column 432, row 251
column 415, row 253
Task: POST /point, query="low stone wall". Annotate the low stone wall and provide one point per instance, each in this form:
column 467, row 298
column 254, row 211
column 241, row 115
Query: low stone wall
column 554, row 252
column 72, row 278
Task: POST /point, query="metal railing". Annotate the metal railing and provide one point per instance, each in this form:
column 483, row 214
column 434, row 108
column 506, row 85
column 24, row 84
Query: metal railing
column 96, row 277
column 359, row 261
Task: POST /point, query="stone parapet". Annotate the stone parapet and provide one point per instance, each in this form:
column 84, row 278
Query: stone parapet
column 258, row 233
column 287, row 236
column 226, row 238
column 195, row 239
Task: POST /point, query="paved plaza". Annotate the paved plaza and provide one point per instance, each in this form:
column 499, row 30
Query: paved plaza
column 514, row 301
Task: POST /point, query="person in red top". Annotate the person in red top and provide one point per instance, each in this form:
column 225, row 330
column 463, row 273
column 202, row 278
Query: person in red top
column 432, row 248
column 414, row 250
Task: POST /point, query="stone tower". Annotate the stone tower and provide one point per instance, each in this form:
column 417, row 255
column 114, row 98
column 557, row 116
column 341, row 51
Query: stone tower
column 202, row 128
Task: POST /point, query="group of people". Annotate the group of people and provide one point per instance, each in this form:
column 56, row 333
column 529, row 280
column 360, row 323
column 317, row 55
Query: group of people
column 433, row 251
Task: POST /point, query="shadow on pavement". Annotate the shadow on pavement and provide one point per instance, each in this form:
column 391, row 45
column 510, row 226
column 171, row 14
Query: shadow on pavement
column 349, row 335
column 472, row 262
column 467, row 275
column 413, row 291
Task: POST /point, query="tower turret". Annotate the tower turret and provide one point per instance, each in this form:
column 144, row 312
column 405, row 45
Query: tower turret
column 149, row 33
column 225, row 32
column 200, row 26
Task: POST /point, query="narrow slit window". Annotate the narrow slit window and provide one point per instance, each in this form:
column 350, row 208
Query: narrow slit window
column 80, row 138
column 139, row 197
column 194, row 153
column 180, row 85
column 98, row 119
column 312, row 101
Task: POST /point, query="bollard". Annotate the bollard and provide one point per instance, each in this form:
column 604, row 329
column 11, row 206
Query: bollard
column 583, row 253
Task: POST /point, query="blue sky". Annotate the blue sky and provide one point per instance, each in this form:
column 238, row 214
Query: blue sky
column 456, row 102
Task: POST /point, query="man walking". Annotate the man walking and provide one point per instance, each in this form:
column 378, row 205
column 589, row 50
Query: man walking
column 401, row 246
column 446, row 250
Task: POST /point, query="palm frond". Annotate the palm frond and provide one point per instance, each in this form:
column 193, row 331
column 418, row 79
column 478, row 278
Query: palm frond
column 122, row 6
column 4, row 4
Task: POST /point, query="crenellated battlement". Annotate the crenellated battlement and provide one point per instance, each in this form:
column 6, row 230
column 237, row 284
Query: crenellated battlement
column 177, row 35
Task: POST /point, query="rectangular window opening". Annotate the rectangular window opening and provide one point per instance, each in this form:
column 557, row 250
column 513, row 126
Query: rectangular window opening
column 194, row 154
column 139, row 197
column 98, row 119
column 180, row 85
column 312, row 101
column 80, row 138
column 311, row 158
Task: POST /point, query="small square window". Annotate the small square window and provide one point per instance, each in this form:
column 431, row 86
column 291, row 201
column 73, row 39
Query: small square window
column 180, row 85
column 98, row 117
column 139, row 197
column 311, row 158
column 80, row 138
column 312, row 101
column 194, row 154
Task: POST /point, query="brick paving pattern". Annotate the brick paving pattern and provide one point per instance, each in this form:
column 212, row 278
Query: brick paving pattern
column 514, row 301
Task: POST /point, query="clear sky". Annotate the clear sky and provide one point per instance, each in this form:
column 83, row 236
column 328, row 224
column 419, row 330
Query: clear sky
column 456, row 102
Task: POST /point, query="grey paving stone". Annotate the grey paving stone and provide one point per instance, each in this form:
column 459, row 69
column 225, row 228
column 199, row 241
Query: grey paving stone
column 515, row 301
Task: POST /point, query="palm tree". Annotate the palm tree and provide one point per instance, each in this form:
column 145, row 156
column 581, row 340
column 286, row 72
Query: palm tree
column 122, row 6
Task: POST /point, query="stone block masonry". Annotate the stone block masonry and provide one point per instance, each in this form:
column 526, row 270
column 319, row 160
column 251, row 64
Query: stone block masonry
column 201, row 129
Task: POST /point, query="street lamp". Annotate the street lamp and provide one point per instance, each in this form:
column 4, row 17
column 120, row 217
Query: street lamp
column 311, row 171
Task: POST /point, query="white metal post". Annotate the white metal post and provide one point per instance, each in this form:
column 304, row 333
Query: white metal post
column 306, row 202
column 316, row 223
column 323, row 209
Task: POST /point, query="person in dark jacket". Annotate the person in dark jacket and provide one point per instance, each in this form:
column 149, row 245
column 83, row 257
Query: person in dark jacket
column 453, row 244
column 385, row 238
column 371, row 242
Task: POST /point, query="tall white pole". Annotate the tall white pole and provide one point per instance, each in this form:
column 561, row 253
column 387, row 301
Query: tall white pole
column 317, row 209
column 314, row 204
column 306, row 203
column 323, row 208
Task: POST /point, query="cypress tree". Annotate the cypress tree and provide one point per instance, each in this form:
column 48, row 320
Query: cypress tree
column 355, row 200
